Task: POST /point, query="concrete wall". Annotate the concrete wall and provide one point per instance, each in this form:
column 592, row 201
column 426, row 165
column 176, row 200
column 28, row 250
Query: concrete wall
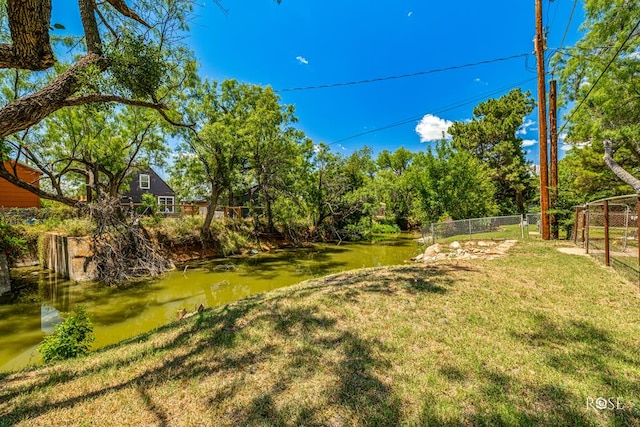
column 5, row 281
column 71, row 257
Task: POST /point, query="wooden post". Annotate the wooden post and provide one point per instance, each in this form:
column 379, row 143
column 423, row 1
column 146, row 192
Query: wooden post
column 584, row 223
column 575, row 227
column 553, row 145
column 542, row 123
column 605, row 208
column 587, row 221
column 638, row 237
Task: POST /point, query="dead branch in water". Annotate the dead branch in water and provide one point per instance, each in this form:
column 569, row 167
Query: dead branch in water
column 123, row 250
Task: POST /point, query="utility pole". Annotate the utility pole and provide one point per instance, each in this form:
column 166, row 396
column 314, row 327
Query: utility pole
column 553, row 140
column 542, row 125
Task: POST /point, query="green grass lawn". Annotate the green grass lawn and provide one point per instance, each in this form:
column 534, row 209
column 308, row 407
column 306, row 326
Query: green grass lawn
column 533, row 338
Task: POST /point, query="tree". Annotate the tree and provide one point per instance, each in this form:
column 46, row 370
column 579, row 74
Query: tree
column 89, row 150
column 491, row 136
column 124, row 56
column 277, row 152
column 451, row 183
column 395, row 189
column 600, row 81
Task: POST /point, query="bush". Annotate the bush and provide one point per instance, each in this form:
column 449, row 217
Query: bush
column 385, row 228
column 71, row 338
column 11, row 241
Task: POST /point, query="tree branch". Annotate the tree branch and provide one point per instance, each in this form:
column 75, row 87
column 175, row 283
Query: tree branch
column 92, row 98
column 29, row 26
column 90, row 25
column 31, row 109
column 122, row 7
column 617, row 169
column 13, row 179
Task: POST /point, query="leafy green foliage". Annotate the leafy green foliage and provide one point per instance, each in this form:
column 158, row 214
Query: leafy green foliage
column 11, row 242
column 607, row 54
column 136, row 64
column 451, row 184
column 491, row 136
column 71, row 338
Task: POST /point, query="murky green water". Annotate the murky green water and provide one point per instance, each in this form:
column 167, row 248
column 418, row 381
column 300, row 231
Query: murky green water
column 119, row 314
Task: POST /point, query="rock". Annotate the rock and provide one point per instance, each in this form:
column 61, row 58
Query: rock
column 455, row 245
column 418, row 258
column 432, row 250
column 225, row 267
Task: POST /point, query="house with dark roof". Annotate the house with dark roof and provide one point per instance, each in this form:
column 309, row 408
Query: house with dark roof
column 12, row 196
column 147, row 181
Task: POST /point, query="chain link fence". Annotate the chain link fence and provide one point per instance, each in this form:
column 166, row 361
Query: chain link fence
column 507, row 227
column 608, row 230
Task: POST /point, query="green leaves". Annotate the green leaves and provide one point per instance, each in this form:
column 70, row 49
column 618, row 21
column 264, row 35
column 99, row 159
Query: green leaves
column 137, row 65
column 492, row 137
column 71, row 338
column 610, row 109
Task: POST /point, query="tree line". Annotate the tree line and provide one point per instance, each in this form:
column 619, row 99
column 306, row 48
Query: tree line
column 86, row 109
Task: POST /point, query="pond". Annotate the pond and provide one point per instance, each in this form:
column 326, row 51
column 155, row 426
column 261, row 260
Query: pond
column 118, row 314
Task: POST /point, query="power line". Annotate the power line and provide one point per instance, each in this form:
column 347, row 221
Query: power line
column 575, row 110
column 443, row 110
column 402, row 76
column 566, row 32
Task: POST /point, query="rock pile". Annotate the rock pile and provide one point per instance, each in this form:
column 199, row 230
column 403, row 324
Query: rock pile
column 470, row 250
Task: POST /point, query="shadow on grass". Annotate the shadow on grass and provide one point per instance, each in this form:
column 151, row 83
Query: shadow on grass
column 305, row 339
column 358, row 387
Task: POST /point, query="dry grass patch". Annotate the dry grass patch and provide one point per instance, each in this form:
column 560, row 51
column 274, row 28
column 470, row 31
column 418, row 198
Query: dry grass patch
column 521, row 340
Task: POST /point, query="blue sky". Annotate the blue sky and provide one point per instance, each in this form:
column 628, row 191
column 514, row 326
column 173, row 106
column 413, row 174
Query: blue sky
column 302, row 43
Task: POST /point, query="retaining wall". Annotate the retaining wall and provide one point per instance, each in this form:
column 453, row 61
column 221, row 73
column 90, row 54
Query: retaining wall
column 71, row 257
column 5, row 281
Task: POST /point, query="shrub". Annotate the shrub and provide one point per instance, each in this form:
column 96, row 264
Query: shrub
column 11, row 242
column 71, row 338
column 381, row 228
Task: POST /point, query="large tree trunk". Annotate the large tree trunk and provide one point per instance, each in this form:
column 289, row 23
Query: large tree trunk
column 211, row 209
column 617, row 169
column 29, row 22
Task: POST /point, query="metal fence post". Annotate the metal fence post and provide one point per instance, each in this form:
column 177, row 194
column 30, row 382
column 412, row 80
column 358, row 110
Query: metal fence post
column 433, row 235
column 469, row 229
column 607, row 255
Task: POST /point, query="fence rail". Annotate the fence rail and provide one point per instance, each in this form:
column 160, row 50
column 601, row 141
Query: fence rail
column 608, row 230
column 510, row 226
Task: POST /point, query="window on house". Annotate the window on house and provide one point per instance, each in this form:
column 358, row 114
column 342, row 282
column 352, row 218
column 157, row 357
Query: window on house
column 145, row 181
column 165, row 204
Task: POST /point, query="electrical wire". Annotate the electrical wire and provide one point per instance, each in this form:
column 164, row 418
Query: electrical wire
column 566, row 32
column 443, row 110
column 582, row 101
column 402, row 76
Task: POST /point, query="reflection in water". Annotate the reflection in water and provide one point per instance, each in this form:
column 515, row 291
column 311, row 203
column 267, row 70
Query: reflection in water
column 118, row 314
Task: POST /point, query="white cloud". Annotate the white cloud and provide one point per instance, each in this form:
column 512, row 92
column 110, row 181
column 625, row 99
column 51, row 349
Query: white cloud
column 526, row 127
column 431, row 128
column 529, row 142
column 479, row 81
column 302, row 60
column 578, row 145
column 409, row 14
